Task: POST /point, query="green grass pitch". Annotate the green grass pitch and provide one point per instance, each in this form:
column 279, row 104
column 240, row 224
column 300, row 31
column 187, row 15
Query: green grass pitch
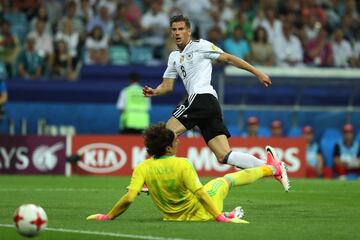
column 314, row 209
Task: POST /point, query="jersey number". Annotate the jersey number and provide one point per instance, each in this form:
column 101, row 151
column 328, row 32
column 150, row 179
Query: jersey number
column 169, row 184
column 183, row 71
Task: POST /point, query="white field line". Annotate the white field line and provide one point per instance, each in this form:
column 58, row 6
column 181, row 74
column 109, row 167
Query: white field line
column 110, row 234
column 117, row 189
column 56, row 189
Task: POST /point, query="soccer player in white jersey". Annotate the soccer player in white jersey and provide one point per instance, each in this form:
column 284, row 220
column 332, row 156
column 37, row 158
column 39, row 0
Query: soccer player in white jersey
column 192, row 61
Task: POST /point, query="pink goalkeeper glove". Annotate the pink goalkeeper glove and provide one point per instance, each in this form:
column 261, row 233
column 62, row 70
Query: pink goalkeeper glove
column 222, row 218
column 101, row 217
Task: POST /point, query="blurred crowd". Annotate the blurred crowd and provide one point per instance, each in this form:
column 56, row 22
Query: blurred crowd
column 53, row 38
column 335, row 154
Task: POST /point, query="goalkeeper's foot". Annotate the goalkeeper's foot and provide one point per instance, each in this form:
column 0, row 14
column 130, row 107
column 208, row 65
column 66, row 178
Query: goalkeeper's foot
column 280, row 168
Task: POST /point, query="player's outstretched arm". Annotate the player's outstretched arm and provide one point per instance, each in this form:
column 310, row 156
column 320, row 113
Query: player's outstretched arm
column 239, row 63
column 164, row 88
column 120, row 207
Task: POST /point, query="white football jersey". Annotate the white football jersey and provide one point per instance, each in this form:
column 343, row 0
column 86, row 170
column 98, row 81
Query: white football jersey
column 194, row 66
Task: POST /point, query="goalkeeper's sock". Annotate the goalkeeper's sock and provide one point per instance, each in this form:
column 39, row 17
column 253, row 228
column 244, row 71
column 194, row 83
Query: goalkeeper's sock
column 249, row 175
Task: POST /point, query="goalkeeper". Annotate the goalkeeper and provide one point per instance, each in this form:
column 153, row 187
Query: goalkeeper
column 174, row 185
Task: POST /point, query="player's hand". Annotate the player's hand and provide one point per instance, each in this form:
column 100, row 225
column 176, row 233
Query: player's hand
column 148, row 91
column 222, row 218
column 264, row 79
column 98, row 216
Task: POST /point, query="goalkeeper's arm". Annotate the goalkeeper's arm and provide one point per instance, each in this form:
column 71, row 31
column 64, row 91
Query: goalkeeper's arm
column 206, row 201
column 209, row 205
column 121, row 206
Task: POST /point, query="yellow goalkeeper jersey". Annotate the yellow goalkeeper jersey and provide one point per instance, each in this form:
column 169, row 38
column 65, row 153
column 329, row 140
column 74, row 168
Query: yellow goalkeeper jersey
column 172, row 182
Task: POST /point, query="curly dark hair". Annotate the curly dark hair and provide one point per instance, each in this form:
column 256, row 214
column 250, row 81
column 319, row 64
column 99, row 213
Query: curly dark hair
column 180, row 18
column 157, row 137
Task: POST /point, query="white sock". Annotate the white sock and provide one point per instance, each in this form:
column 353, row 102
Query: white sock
column 244, row 160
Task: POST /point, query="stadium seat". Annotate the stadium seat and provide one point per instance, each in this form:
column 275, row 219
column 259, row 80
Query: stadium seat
column 3, row 73
column 264, row 132
column 119, row 55
column 294, row 132
column 358, row 136
column 332, row 133
column 140, row 55
column 327, row 147
column 234, row 130
column 329, row 138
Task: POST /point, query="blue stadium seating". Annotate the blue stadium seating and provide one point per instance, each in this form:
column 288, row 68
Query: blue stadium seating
column 234, row 130
column 329, row 138
column 294, row 132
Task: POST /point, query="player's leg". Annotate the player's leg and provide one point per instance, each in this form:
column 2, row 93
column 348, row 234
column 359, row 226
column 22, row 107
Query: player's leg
column 218, row 188
column 219, row 145
column 176, row 126
column 249, row 175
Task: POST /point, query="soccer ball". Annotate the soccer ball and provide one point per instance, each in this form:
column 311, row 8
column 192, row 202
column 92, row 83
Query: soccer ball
column 30, row 220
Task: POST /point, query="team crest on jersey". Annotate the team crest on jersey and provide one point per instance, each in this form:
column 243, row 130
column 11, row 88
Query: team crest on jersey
column 189, row 56
column 182, row 58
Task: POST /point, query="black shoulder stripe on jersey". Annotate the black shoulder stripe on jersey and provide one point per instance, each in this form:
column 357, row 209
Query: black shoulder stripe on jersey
column 196, row 40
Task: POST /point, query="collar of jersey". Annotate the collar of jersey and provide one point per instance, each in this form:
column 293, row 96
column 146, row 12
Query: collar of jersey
column 185, row 46
column 164, row 157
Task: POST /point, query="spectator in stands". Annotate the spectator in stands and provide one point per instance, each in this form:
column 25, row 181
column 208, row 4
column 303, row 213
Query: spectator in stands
column 18, row 21
column 9, row 47
column 97, row 47
column 241, row 19
column 276, row 128
column 29, row 63
column 357, row 48
column 3, row 98
column 347, row 154
column 62, row 65
column 198, row 12
column 125, row 32
column 349, row 25
column 133, row 12
column 54, row 10
column 71, row 39
column 252, row 127
column 237, row 44
column 41, row 14
column 313, row 8
column 261, row 52
column 102, row 20
column 134, row 107
column 318, row 51
column 288, row 48
column 215, row 36
column 333, row 18
column 226, row 11
column 155, row 24
column 43, row 43
column 267, row 19
column 312, row 27
column 84, row 11
column 343, row 55
column 71, row 16
column 216, row 21
column 314, row 157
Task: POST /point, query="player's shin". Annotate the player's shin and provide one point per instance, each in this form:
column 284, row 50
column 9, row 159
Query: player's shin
column 242, row 160
column 248, row 176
